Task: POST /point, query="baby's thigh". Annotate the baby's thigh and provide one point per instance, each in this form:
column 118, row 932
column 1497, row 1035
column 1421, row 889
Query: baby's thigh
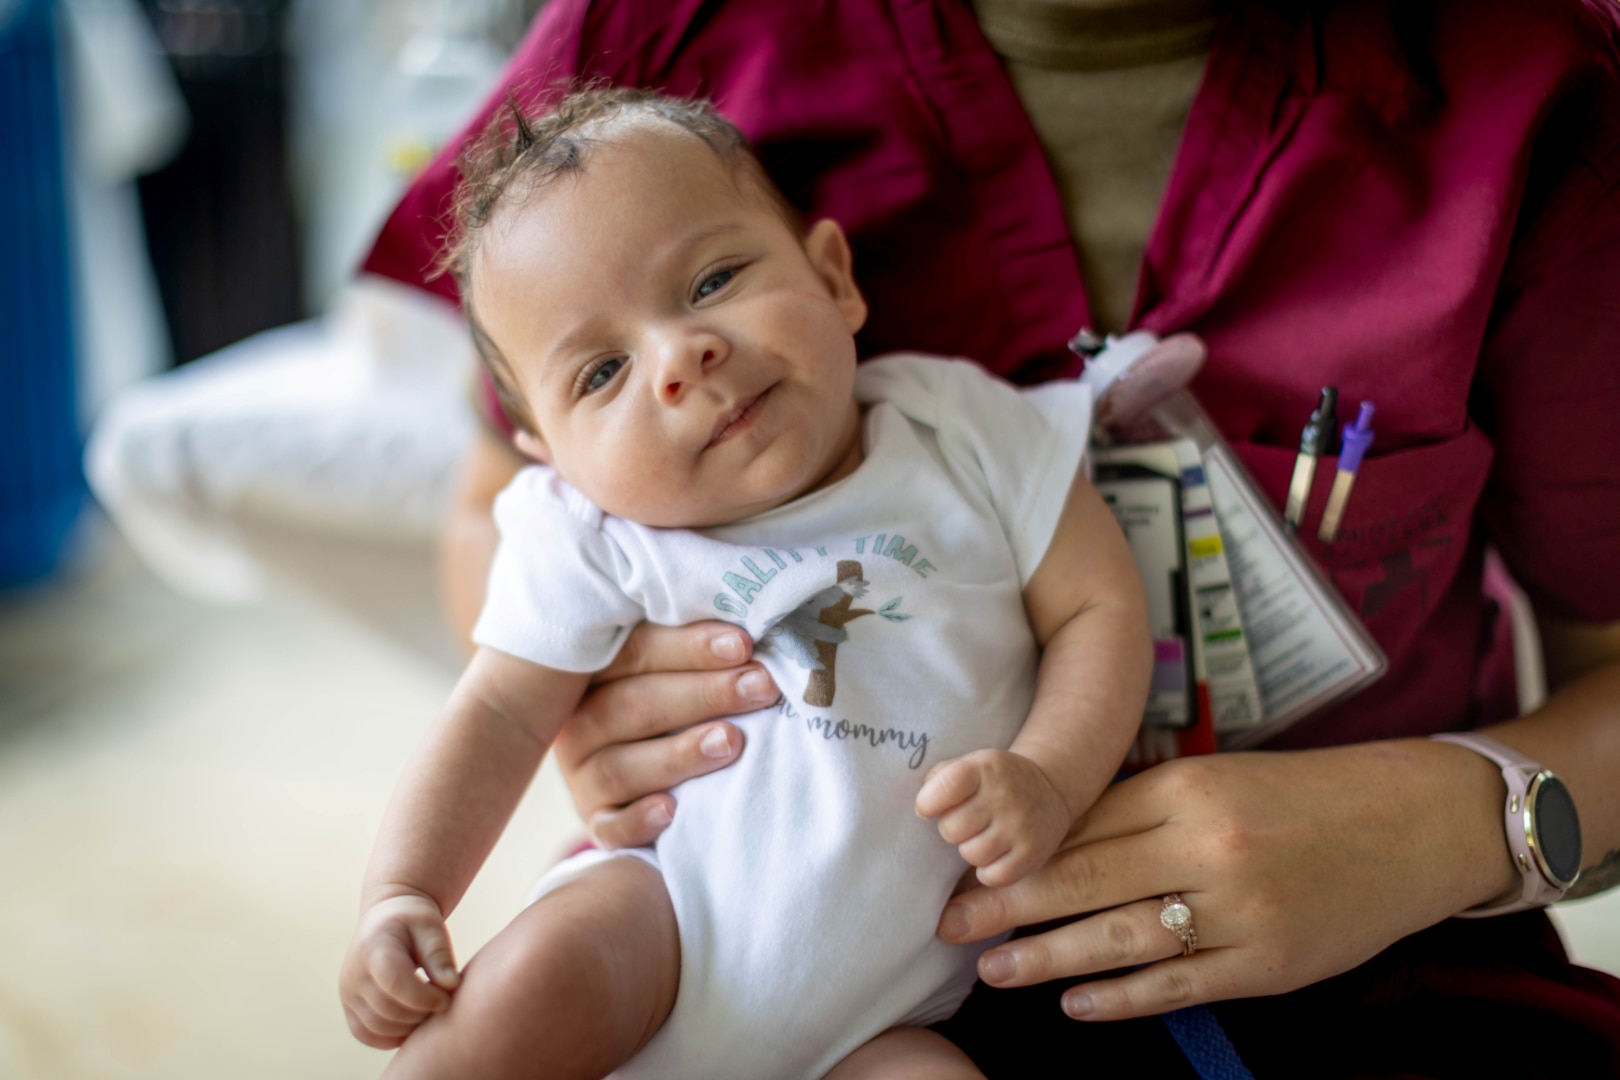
column 573, row 986
column 906, row 1053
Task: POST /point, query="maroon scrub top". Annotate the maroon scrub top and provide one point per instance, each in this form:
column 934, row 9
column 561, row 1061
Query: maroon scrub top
column 1422, row 214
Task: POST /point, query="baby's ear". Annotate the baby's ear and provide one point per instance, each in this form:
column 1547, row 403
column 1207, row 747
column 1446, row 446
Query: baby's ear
column 532, row 445
column 828, row 249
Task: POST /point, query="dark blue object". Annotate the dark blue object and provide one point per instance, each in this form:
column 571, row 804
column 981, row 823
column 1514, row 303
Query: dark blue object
column 1204, row 1041
column 42, row 485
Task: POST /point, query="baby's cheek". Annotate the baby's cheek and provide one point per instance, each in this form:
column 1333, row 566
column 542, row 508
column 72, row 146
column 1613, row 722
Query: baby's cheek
column 649, row 494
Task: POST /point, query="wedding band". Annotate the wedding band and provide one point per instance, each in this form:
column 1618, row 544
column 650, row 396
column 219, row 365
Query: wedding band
column 1176, row 917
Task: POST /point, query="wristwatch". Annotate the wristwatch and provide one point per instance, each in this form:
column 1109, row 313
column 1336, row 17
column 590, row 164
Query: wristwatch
column 1543, row 830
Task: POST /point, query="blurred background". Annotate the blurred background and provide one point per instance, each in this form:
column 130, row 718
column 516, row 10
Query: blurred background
column 194, row 758
column 203, row 708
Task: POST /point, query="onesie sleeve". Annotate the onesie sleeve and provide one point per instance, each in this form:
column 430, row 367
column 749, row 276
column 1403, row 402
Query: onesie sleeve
column 555, row 596
column 1022, row 448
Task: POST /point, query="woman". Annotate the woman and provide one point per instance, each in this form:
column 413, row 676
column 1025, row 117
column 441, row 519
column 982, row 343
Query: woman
column 1412, row 202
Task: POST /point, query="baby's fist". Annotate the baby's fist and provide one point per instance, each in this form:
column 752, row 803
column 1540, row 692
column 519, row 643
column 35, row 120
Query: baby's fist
column 1000, row 810
column 383, row 997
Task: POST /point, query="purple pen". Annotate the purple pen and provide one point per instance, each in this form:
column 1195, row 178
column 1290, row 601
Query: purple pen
column 1357, row 438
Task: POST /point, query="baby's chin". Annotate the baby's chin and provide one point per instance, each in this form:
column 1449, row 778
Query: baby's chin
column 692, row 515
column 769, row 482
column 702, row 510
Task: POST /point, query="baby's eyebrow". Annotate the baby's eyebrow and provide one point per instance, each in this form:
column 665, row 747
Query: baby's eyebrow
column 581, row 335
column 692, row 240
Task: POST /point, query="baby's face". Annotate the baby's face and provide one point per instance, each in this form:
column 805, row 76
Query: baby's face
column 688, row 358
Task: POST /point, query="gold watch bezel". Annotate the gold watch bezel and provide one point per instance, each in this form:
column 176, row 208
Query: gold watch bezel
column 1532, row 835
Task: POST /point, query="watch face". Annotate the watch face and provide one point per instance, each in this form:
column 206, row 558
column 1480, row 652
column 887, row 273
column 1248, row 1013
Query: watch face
column 1556, row 835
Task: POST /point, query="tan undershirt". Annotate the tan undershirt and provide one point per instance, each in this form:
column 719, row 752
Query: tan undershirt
column 1108, row 86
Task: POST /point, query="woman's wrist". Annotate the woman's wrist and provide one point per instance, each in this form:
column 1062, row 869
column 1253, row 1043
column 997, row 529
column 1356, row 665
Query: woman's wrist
column 1467, row 791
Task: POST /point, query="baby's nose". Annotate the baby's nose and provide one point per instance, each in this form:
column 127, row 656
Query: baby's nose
column 683, row 371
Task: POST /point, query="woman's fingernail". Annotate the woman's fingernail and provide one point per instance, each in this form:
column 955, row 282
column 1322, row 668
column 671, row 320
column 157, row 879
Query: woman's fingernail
column 1078, row 1005
column 997, row 967
column 756, row 686
column 714, row 745
column 954, row 922
column 658, row 815
column 729, row 647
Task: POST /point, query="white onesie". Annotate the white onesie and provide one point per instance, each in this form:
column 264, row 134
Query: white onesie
column 888, row 608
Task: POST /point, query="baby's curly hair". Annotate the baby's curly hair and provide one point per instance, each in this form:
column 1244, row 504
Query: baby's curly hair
column 519, row 152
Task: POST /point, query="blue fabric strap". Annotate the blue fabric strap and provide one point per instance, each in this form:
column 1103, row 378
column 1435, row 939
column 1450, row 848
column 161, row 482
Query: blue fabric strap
column 1204, row 1041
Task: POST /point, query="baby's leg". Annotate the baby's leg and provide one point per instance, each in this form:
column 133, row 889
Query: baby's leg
column 573, row 987
column 907, row 1053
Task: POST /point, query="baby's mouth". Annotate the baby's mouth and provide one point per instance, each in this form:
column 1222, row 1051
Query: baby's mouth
column 738, row 417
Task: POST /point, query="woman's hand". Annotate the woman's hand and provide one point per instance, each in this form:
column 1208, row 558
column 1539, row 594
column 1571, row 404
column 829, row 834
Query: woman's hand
column 616, row 753
column 664, row 679
column 1296, row 866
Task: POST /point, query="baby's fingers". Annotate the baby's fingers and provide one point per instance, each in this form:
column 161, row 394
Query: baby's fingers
column 393, row 973
column 986, row 850
column 951, row 783
column 375, row 1030
column 1010, row 866
column 964, row 821
column 431, row 943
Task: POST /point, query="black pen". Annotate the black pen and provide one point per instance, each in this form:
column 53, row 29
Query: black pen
column 1314, row 441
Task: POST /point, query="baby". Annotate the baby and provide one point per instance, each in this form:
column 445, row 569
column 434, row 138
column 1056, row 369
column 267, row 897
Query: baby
column 946, row 603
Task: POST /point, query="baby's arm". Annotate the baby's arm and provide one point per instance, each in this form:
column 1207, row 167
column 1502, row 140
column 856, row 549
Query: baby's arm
column 1008, row 810
column 453, row 800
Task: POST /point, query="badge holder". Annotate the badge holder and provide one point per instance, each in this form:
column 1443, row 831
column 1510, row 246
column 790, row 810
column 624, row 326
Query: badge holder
column 1265, row 639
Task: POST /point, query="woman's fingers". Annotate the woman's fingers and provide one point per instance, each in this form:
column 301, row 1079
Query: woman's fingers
column 1135, row 805
column 1080, row 879
column 635, row 825
column 616, row 753
column 1170, row 984
column 621, row 790
column 614, row 775
column 704, row 646
column 1124, row 937
column 610, row 765
column 647, row 706
column 1284, row 859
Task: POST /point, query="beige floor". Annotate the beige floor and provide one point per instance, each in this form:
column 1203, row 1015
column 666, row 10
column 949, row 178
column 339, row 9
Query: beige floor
column 187, row 797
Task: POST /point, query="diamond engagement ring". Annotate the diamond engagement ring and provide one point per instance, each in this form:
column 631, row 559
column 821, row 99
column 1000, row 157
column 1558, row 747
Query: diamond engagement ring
column 1176, row 917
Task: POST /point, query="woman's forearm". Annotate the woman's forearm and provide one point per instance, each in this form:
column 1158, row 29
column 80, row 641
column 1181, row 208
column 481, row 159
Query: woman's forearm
column 1576, row 734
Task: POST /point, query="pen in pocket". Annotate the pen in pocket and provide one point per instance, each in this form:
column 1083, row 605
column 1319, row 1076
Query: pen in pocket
column 1357, row 438
column 1314, row 441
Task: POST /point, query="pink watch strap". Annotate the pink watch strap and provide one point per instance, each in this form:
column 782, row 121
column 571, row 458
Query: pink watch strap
column 1518, row 772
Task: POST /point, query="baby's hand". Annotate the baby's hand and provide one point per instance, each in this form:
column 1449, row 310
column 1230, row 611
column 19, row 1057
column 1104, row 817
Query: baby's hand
column 383, row 996
column 999, row 809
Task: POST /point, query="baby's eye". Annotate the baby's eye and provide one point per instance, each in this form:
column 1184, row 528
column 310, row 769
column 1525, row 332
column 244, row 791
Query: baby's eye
column 714, row 283
column 595, row 378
